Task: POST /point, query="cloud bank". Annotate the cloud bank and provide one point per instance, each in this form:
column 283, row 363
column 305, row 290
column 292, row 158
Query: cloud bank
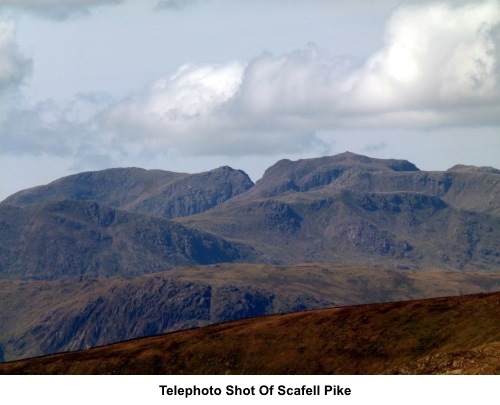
column 56, row 9
column 439, row 67
column 439, row 62
column 64, row 9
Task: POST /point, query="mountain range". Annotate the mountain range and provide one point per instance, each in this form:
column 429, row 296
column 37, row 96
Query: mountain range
column 100, row 257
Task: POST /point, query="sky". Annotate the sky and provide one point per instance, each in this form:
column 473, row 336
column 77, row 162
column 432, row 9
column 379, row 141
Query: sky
column 191, row 85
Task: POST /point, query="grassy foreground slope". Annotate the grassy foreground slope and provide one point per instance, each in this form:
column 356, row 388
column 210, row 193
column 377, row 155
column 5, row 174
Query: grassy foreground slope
column 450, row 335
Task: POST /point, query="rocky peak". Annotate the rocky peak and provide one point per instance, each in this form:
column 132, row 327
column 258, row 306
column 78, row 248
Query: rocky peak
column 306, row 174
column 473, row 169
column 350, row 159
column 154, row 192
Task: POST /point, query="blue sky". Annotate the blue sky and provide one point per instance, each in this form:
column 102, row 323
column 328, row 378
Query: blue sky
column 192, row 85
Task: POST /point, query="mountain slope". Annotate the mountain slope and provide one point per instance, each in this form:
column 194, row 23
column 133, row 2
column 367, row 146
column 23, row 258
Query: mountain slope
column 371, row 339
column 153, row 192
column 78, row 239
column 42, row 317
column 402, row 230
column 345, row 209
column 357, row 210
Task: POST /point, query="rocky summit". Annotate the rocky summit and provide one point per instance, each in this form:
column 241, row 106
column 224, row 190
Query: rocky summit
column 353, row 209
column 152, row 192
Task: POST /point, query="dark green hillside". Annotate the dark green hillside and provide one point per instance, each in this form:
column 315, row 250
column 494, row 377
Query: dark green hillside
column 346, row 209
column 464, row 187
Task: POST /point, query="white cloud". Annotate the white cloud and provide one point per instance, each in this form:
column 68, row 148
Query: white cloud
column 437, row 63
column 13, row 66
column 266, row 106
column 56, row 9
column 300, row 83
column 438, row 68
column 179, row 110
column 64, row 9
column 191, row 92
column 434, row 56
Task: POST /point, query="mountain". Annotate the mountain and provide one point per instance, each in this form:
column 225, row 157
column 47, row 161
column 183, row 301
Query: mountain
column 153, row 192
column 43, row 317
column 81, row 239
column 346, row 209
column 105, row 256
column 449, row 335
column 357, row 210
column 346, row 170
column 464, row 187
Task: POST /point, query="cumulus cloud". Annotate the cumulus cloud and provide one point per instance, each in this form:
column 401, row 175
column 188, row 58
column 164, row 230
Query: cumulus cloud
column 258, row 107
column 64, row 9
column 178, row 109
column 14, row 67
column 439, row 66
column 303, row 82
column 56, row 9
column 435, row 56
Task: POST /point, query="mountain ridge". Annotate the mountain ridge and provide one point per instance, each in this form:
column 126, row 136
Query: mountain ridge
column 347, row 208
column 95, row 238
column 153, row 192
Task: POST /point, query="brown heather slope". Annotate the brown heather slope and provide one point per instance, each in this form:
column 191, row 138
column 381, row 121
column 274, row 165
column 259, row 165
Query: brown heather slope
column 454, row 335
